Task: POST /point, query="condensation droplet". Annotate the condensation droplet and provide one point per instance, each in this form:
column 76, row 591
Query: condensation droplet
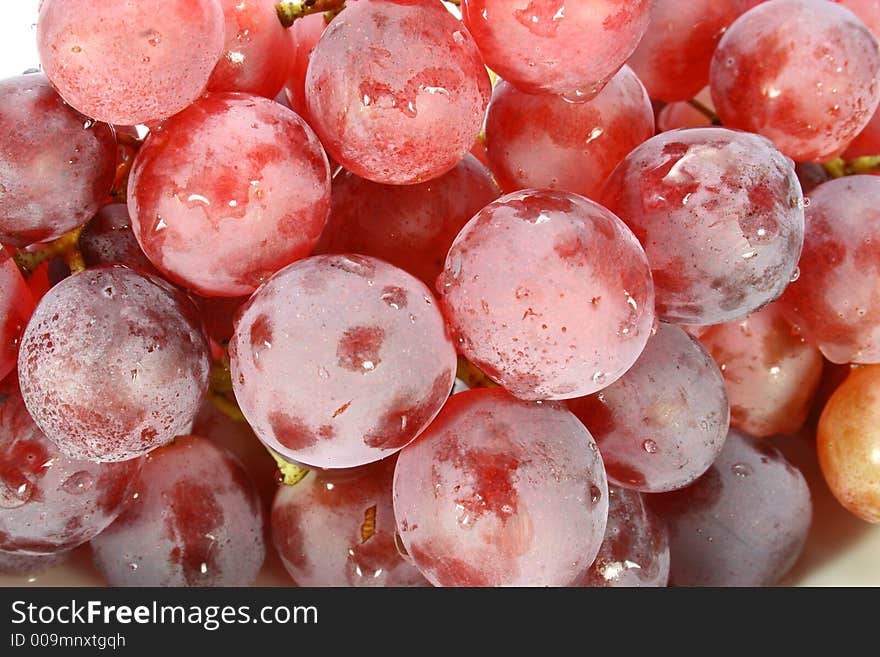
column 741, row 469
column 78, row 483
column 649, row 446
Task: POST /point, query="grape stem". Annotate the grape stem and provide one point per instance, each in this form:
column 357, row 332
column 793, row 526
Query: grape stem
column 838, row 168
column 66, row 247
column 288, row 473
column 219, row 388
column 288, row 12
column 705, row 111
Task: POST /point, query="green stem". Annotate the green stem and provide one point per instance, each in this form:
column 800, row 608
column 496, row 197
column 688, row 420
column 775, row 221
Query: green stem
column 288, row 12
column 705, row 111
column 65, row 247
column 838, row 167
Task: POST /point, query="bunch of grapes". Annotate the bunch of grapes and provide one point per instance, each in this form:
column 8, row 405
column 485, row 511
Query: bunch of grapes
column 490, row 293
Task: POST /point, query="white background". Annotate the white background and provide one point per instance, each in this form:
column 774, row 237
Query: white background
column 18, row 37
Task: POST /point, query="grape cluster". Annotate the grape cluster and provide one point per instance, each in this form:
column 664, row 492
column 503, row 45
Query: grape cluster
column 310, row 278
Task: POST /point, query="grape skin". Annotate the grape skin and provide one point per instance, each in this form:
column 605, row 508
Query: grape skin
column 663, row 423
column 635, row 550
column 849, row 441
column 305, row 34
column 554, row 47
column 196, row 521
column 228, row 192
column 721, row 216
column 409, row 226
column 549, row 294
column 108, row 240
column 673, row 58
column 396, row 90
column 132, row 62
column 501, row 492
column 538, row 141
column 834, row 302
column 803, row 73
column 379, row 366
column 319, row 527
column 50, row 502
column 17, row 563
column 56, row 167
column 16, row 307
column 111, row 365
column 771, row 373
column 257, row 51
column 743, row 523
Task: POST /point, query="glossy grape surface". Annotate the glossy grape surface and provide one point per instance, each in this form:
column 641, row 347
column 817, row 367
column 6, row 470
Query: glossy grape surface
column 374, row 371
column 130, row 62
column 549, row 294
column 196, row 521
column 501, row 492
column 228, row 192
column 111, row 365
column 16, row 306
column 108, row 240
column 56, row 166
column 720, row 214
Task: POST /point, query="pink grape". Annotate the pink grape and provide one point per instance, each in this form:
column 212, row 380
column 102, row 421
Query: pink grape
column 663, row 423
column 501, row 492
column 228, row 192
column 409, row 226
column 802, row 73
column 338, row 529
column 834, row 303
column 111, row 364
column 554, row 47
column 257, row 51
column 635, row 550
column 720, row 214
column 867, row 10
column 16, row 307
column 396, row 90
column 810, row 175
column 56, row 166
column 867, row 143
column 50, row 502
column 305, row 34
column 130, row 62
column 673, row 57
column 197, row 521
column 542, row 141
column 684, row 115
column 375, row 372
column 549, row 294
column 771, row 373
column 743, row 523
column 108, row 240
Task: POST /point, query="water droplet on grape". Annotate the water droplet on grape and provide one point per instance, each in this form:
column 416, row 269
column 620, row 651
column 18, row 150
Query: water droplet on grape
column 595, row 494
column 796, row 274
column 598, row 377
column 15, row 490
column 650, row 446
column 78, row 483
column 741, row 469
column 154, row 38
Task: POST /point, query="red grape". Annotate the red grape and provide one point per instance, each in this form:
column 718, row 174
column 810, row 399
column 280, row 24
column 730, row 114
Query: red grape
column 662, row 424
column 635, row 551
column 130, row 62
column 305, row 34
column 111, row 365
column 337, row 529
column 770, row 371
column 867, row 143
column 867, row 10
column 50, row 502
column 56, row 166
column 720, row 214
column 16, row 307
column 803, row 73
column 228, row 192
column 849, row 443
column 549, row 294
column 376, row 369
column 501, row 492
column 196, row 521
column 673, row 57
column 564, row 48
column 396, row 89
column 108, row 240
column 546, row 142
column 743, row 523
column 834, row 302
column 410, row 226
column 257, row 52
